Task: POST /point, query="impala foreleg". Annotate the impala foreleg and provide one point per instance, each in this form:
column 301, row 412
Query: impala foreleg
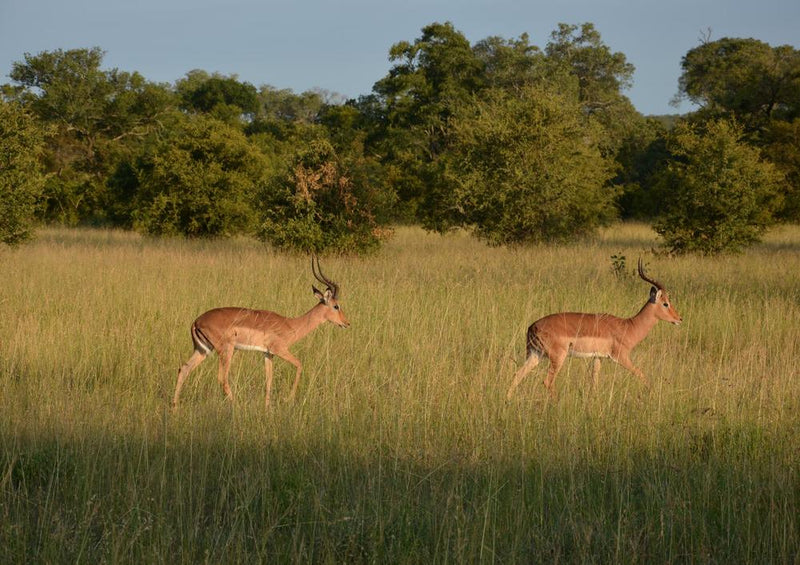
column 625, row 361
column 268, row 372
column 289, row 358
column 197, row 357
column 596, row 372
column 296, row 380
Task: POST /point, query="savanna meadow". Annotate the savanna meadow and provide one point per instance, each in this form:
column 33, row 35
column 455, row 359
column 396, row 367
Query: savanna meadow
column 400, row 446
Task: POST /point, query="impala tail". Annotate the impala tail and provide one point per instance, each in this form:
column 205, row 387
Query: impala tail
column 201, row 341
column 534, row 344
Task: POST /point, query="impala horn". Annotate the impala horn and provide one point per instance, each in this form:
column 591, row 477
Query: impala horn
column 332, row 286
column 653, row 282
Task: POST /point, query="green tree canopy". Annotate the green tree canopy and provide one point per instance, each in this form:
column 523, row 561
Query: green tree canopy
column 602, row 74
column 199, row 179
column 326, row 199
column 510, row 63
column 745, row 79
column 782, row 147
column 525, row 167
column 431, row 74
column 440, row 71
column 95, row 115
column 717, row 193
column 223, row 97
column 21, row 178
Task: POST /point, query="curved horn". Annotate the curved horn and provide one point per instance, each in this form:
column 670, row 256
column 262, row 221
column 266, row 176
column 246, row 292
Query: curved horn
column 334, row 288
column 642, row 274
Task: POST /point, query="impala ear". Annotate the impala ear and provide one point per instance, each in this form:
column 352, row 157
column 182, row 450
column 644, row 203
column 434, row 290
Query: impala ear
column 318, row 294
column 655, row 294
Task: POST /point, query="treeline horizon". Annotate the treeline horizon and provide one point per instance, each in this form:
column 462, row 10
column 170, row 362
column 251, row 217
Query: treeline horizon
column 519, row 144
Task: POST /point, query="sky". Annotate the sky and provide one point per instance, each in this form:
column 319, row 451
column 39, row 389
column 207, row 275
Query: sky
column 342, row 46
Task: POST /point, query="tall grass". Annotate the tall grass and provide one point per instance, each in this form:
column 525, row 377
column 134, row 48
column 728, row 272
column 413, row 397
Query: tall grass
column 400, row 447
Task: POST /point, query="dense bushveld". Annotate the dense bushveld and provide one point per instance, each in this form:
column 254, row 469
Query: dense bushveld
column 400, row 447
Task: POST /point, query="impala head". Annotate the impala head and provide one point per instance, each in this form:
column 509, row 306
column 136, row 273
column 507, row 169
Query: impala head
column 333, row 311
column 660, row 297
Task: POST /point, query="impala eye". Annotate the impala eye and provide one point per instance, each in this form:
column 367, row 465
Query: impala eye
column 666, row 305
column 336, row 307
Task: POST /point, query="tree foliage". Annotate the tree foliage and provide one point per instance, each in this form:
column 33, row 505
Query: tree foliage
column 782, row 147
column 93, row 114
column 602, row 74
column 198, row 180
column 717, row 193
column 21, row 178
column 515, row 142
column 745, row 79
column 432, row 74
column 325, row 199
column 525, row 168
column 225, row 98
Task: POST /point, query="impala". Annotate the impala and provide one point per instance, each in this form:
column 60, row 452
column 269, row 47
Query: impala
column 597, row 336
column 225, row 330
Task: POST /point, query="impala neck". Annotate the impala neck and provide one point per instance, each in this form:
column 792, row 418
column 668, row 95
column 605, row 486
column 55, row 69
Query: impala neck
column 643, row 322
column 308, row 322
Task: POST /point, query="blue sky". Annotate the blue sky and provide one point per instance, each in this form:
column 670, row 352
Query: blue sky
column 343, row 45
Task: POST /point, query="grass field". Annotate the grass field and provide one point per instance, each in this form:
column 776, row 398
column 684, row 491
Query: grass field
column 400, row 446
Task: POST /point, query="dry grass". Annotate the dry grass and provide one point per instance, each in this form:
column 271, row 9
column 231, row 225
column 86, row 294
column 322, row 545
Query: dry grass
column 400, row 446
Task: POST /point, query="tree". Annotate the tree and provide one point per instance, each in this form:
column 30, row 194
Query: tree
column 430, row 76
column 510, row 63
column 716, row 192
column 782, row 147
column 93, row 113
column 198, row 179
column 744, row 79
column 640, row 155
column 525, row 167
column 282, row 113
column 326, row 199
column 21, row 178
column 225, row 98
column 286, row 106
column 602, row 75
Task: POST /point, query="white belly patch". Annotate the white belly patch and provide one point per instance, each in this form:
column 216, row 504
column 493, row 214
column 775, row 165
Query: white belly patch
column 588, row 354
column 248, row 347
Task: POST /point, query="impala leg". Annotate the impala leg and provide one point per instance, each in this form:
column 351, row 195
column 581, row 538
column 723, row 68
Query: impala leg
column 268, row 371
column 625, row 361
column 526, row 368
column 225, row 356
column 196, row 358
column 289, row 358
column 556, row 362
column 596, row 372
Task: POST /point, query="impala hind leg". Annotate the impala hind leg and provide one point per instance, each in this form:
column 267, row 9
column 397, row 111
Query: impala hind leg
column 527, row 367
column 225, row 356
column 556, row 362
column 197, row 357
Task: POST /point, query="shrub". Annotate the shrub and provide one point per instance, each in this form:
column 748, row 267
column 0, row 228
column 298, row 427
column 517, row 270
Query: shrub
column 717, row 193
column 325, row 199
column 199, row 181
column 21, row 178
column 525, row 167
